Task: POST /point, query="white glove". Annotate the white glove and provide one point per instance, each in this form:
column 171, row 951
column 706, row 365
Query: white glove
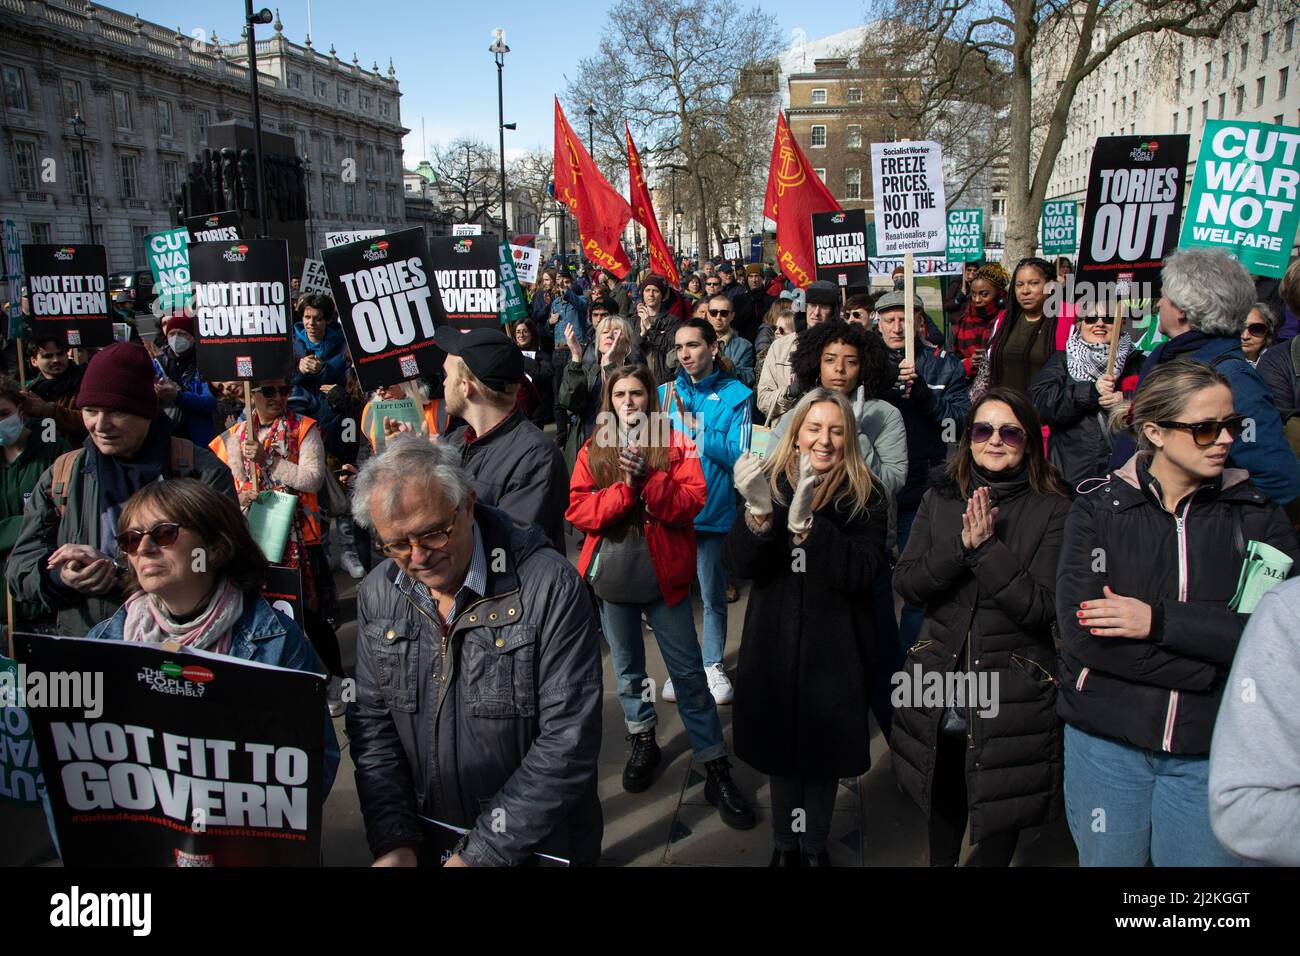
column 801, row 512
column 751, row 481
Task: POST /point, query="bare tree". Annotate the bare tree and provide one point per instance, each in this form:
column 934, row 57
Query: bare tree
column 467, row 177
column 531, row 175
column 1074, row 36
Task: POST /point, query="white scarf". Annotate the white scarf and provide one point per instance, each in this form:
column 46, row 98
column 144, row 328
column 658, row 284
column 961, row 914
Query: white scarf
column 149, row 622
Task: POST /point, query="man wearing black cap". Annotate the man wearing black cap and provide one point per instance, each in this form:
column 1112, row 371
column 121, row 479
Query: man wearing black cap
column 752, row 304
column 511, row 464
column 777, row 390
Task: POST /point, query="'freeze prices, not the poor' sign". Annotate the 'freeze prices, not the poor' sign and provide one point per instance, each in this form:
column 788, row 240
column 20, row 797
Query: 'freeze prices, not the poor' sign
column 69, row 294
column 910, row 216
column 1244, row 198
column 965, row 235
column 241, row 308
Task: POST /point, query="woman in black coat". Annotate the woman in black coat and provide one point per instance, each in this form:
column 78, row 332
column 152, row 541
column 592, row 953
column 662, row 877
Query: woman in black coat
column 981, row 559
column 1074, row 396
column 812, row 538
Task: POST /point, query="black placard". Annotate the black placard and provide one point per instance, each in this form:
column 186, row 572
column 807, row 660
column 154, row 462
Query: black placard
column 389, row 305
column 840, row 247
column 243, row 311
column 283, row 591
column 1133, row 208
column 731, row 248
column 217, row 227
column 467, row 270
column 68, row 286
column 187, row 759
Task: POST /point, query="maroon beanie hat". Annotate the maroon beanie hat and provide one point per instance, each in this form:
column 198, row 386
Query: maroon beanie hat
column 656, row 280
column 120, row 377
column 178, row 323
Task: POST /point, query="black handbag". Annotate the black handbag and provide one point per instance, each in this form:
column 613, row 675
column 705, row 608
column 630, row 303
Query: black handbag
column 622, row 571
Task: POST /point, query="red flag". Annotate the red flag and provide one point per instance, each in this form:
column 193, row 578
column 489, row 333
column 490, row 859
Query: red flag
column 794, row 193
column 661, row 260
column 602, row 213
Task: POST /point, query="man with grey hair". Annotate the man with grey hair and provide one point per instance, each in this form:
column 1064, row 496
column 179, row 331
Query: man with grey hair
column 1206, row 298
column 478, row 675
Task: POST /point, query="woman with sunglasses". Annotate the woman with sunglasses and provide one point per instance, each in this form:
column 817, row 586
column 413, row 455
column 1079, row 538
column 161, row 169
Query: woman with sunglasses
column 1259, row 332
column 283, row 451
column 981, row 559
column 215, row 605
column 1151, row 562
column 1075, row 396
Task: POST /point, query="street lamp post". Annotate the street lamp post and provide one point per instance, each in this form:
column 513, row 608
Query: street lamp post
column 79, row 127
column 311, row 226
column 251, row 19
column 591, row 129
column 498, row 49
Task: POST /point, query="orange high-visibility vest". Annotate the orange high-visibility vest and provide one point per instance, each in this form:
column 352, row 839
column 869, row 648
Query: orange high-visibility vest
column 307, row 503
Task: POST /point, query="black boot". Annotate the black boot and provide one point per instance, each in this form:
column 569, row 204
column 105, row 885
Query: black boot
column 817, row 859
column 786, row 858
column 721, row 791
column 640, row 769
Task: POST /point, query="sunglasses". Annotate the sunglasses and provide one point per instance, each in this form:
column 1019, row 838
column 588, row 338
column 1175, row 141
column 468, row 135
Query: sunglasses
column 1206, row 434
column 271, row 391
column 1012, row 435
column 164, row 536
column 718, row 312
column 1257, row 329
column 1099, row 319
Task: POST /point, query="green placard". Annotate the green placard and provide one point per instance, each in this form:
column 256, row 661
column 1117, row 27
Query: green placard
column 1244, row 197
column 21, row 781
column 513, row 307
column 1059, row 227
column 169, row 260
column 965, row 235
column 398, row 410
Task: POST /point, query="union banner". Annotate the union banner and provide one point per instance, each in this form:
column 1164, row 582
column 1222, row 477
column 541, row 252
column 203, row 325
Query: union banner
column 794, row 193
column 601, row 212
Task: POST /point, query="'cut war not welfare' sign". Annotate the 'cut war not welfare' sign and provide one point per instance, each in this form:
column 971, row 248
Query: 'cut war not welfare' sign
column 1244, row 198
column 169, row 260
column 965, row 235
column 242, row 311
column 1058, row 227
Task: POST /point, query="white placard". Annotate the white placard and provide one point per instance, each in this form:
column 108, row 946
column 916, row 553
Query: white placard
column 333, row 239
column 909, row 201
column 527, row 261
column 314, row 280
column 466, row 229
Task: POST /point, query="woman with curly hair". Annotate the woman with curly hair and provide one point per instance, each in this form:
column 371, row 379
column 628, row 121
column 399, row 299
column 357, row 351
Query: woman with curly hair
column 980, row 313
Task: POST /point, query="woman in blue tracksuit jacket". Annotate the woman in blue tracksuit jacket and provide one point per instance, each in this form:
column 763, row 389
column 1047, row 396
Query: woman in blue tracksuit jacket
column 713, row 408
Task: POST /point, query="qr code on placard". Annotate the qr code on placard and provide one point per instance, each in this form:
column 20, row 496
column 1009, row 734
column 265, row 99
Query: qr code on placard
column 409, row 366
column 74, row 336
column 243, row 366
column 194, row 859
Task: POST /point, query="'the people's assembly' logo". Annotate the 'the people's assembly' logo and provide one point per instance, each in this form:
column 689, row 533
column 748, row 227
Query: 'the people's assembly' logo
column 378, row 251
column 176, row 680
column 65, row 254
column 236, row 253
column 1144, row 152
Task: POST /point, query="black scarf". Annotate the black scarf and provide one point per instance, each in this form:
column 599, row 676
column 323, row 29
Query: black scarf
column 66, row 383
column 120, row 478
column 1002, row 485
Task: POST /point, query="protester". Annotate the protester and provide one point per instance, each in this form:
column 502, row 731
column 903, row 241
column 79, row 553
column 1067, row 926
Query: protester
column 958, row 292
column 1075, row 397
column 982, row 310
column 184, row 397
column 811, row 538
column 1254, row 763
column 566, row 310
column 1022, row 341
column 66, row 554
column 753, row 304
column 512, row 753
column 1063, row 267
column 982, row 559
column 320, row 349
column 635, row 493
column 693, row 288
column 1147, row 622
column 777, row 389
column 508, row 460
column 583, row 387
column 857, row 308
column 739, row 351
column 778, row 320
column 1207, row 296
column 52, row 393
column 712, row 408
column 658, row 313
column 1259, row 332
column 213, row 606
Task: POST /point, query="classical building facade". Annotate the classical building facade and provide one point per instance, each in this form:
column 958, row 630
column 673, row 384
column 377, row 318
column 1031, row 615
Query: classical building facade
column 147, row 95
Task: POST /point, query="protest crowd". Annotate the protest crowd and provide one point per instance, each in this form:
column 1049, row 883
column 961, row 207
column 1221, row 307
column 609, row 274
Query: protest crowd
column 1002, row 491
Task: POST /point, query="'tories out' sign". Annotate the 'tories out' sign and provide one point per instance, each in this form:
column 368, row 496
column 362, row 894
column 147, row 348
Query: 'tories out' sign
column 1244, row 198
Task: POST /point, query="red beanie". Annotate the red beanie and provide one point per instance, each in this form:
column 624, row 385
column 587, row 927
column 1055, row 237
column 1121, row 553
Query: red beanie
column 120, row 377
column 180, row 322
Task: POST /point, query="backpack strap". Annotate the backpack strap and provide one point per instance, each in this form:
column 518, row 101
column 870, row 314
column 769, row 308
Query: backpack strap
column 182, row 457
column 61, row 475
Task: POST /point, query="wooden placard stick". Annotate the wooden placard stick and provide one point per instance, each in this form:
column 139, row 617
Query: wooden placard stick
column 251, row 424
column 909, row 310
column 1115, row 330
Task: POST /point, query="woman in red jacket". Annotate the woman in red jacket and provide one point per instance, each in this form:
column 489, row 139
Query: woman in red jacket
column 637, row 487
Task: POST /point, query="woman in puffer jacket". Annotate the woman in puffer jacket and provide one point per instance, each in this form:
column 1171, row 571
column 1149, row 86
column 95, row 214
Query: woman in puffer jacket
column 1149, row 568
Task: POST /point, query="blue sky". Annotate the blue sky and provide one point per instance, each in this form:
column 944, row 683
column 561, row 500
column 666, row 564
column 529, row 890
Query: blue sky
column 440, row 51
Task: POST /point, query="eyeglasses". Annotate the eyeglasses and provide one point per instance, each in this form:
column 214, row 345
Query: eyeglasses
column 164, row 535
column 1012, row 435
column 271, row 391
column 1206, row 434
column 434, row 540
column 1257, row 329
column 717, row 312
column 1095, row 319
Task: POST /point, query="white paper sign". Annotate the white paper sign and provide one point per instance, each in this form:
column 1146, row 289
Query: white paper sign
column 527, row 260
column 466, row 229
column 909, row 202
column 333, row 239
column 314, row 280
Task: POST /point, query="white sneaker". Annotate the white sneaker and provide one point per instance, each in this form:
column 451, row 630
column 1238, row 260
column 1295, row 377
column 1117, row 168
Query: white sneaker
column 334, row 697
column 667, row 692
column 719, row 685
column 352, row 565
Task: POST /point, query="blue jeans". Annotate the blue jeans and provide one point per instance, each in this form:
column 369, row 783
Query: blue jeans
column 1127, row 805
column 713, row 592
column 909, row 622
column 674, row 629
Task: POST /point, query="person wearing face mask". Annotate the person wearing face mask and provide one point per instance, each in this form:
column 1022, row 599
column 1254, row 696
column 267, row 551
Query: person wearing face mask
column 1021, row 342
column 777, row 388
column 811, row 538
column 66, row 555
column 982, row 560
column 184, row 397
column 52, row 393
column 981, row 311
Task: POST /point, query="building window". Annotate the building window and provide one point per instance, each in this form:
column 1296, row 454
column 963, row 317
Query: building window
column 1175, row 122
column 1178, row 87
column 852, row 184
column 1226, row 63
column 165, row 119
column 327, row 188
column 295, row 81
column 25, row 164
column 15, row 88
column 328, row 145
column 388, row 162
column 1223, row 104
column 818, row 137
column 122, row 109
column 1209, row 73
column 818, row 97
column 889, row 94
column 1189, row 119
column 81, row 176
column 998, row 207
column 1283, row 75
column 853, row 137
column 1288, row 34
column 888, row 132
column 321, row 87
column 72, row 97
column 1241, row 99
column 1265, row 40
column 366, row 102
column 128, row 169
column 391, row 196
column 344, row 96
column 42, row 233
column 855, row 94
column 1205, row 110
column 201, row 126
column 372, row 202
column 821, row 174
column 1244, row 55
column 137, row 246
column 1191, row 82
column 386, row 109
column 370, row 158
column 350, row 198
column 171, row 179
column 95, row 236
column 1259, row 92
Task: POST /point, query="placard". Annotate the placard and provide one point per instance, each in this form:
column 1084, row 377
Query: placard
column 1130, row 222
column 965, row 235
column 242, row 307
column 283, row 591
column 188, row 759
column 514, row 308
column 840, row 246
column 467, row 270
column 314, row 278
column 1244, row 197
column 333, row 239
column 21, row 782
column 68, row 289
column 731, row 248
column 884, row 267
column 466, row 229
column 909, row 213
column 1058, row 227
column 389, row 305
column 755, row 248
column 169, row 260
column 527, row 262
column 218, row 227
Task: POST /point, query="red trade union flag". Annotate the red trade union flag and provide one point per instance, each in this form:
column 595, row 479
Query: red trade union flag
column 794, row 193
column 661, row 260
column 601, row 212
